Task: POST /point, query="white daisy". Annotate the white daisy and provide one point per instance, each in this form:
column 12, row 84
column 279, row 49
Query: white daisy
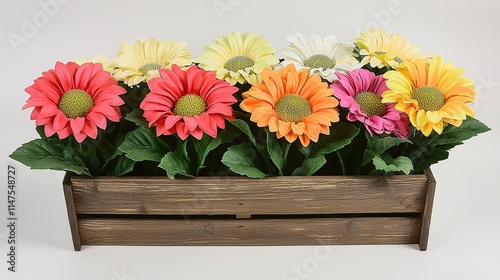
column 320, row 56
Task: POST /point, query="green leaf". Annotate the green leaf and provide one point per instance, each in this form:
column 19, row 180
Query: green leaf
column 434, row 155
column 112, row 157
column 243, row 159
column 429, row 150
column 377, row 145
column 203, row 147
column 390, row 165
column 207, row 144
column 49, row 154
column 341, row 135
column 274, row 150
column 380, row 144
column 123, row 166
column 342, row 163
column 142, row 144
column 310, row 166
column 176, row 163
column 136, row 117
column 243, row 126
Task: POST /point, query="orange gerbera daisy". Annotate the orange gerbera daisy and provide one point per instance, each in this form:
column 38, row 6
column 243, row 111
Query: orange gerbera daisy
column 292, row 104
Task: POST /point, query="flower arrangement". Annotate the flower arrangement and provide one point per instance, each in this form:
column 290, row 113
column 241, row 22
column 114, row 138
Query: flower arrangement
column 374, row 106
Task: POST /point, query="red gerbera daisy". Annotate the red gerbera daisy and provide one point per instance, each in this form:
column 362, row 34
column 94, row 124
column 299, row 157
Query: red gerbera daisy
column 188, row 102
column 73, row 99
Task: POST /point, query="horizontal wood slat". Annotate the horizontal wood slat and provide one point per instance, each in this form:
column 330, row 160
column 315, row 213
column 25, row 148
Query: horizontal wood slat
column 244, row 197
column 312, row 231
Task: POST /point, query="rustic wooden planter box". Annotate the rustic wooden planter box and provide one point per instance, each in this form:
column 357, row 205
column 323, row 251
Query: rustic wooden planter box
column 316, row 210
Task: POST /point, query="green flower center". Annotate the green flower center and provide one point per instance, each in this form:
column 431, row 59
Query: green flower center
column 190, row 105
column 149, row 66
column 292, row 108
column 429, row 98
column 370, row 104
column 239, row 62
column 319, row 61
column 75, row 103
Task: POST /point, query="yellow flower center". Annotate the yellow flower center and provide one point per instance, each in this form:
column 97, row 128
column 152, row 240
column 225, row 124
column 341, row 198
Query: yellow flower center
column 190, row 105
column 319, row 61
column 370, row 104
column 292, row 108
column 429, row 98
column 75, row 103
column 239, row 62
column 149, row 66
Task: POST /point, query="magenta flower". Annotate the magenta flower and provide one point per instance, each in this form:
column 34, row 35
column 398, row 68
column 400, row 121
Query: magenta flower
column 360, row 91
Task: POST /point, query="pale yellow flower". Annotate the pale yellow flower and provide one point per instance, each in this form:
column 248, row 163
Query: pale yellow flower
column 140, row 62
column 238, row 58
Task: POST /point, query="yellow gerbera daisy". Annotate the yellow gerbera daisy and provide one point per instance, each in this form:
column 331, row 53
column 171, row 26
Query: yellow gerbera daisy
column 292, row 104
column 142, row 61
column 431, row 93
column 380, row 49
column 238, row 58
column 107, row 65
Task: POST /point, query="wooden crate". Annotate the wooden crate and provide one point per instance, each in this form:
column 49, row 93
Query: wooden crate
column 326, row 210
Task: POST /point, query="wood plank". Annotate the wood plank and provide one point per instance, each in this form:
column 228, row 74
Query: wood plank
column 243, row 196
column 312, row 231
column 426, row 215
column 72, row 218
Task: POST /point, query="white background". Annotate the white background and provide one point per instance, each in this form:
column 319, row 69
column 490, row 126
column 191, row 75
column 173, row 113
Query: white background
column 464, row 239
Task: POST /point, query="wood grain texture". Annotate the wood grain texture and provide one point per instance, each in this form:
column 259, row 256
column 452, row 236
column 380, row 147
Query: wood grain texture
column 326, row 210
column 244, row 197
column 427, row 213
column 313, row 231
column 72, row 217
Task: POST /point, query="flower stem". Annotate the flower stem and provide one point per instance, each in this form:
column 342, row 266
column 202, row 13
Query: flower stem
column 285, row 156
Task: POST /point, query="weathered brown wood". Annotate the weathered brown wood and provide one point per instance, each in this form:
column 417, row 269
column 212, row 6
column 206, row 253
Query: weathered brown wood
column 242, row 196
column 239, row 211
column 427, row 213
column 72, row 217
column 308, row 231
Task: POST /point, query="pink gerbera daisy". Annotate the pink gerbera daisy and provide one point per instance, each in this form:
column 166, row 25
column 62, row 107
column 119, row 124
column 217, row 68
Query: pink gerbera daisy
column 73, row 99
column 188, row 102
column 360, row 91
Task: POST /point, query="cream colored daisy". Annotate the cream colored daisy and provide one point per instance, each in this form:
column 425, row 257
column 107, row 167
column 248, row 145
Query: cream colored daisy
column 238, row 58
column 141, row 61
column 320, row 56
column 379, row 49
column 107, row 64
